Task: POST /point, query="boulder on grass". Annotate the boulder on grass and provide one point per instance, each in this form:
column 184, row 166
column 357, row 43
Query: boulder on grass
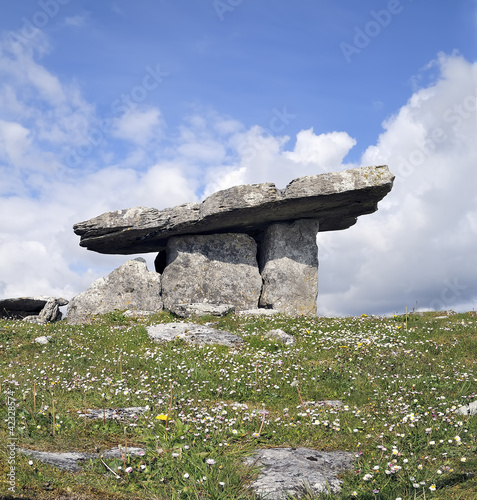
column 131, row 286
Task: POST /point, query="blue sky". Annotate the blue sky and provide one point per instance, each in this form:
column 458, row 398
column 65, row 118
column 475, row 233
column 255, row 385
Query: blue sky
column 111, row 104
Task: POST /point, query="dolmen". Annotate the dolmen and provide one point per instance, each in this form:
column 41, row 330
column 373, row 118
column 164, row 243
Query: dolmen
column 251, row 246
column 40, row 309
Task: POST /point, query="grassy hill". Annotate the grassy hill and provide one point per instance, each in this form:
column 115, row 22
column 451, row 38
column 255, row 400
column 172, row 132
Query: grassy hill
column 400, row 381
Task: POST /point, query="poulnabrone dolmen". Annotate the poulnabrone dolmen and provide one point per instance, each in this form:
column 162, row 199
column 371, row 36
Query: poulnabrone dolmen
column 251, row 246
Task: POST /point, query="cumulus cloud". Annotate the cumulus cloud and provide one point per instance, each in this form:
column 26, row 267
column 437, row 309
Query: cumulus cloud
column 325, row 151
column 418, row 250
column 139, row 126
column 14, row 141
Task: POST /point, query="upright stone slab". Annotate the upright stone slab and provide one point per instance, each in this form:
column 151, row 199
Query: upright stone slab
column 289, row 263
column 131, row 286
column 214, row 269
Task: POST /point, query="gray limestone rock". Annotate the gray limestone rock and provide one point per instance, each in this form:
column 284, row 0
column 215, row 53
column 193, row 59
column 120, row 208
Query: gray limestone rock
column 193, row 334
column 131, row 286
column 114, row 413
column 67, row 460
column 44, row 339
column 326, row 402
column 336, row 199
column 201, row 309
column 281, row 336
column 215, row 269
column 257, row 312
column 138, row 314
column 22, row 307
column 70, row 460
column 289, row 263
column 291, row 471
column 50, row 312
column 469, row 409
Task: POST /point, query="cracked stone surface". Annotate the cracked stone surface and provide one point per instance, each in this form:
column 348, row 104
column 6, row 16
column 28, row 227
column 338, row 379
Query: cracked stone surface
column 469, row 409
column 69, row 460
column 291, row 471
column 114, row 413
column 193, row 334
column 201, row 309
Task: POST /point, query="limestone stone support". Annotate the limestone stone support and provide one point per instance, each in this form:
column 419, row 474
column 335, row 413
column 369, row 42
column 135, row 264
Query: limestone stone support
column 289, row 264
column 214, row 268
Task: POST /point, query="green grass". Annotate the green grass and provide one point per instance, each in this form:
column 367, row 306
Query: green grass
column 400, row 379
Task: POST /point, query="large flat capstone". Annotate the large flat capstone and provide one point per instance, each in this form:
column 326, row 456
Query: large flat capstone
column 336, row 199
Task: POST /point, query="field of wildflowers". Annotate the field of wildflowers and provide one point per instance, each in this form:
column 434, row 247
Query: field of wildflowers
column 400, row 380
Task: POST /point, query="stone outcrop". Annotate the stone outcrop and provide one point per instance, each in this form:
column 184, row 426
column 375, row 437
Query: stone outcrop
column 46, row 309
column 192, row 334
column 50, row 312
column 248, row 246
column 293, row 471
column 289, row 263
column 43, row 339
column 131, row 286
column 468, row 409
column 336, row 199
column 280, row 336
column 70, row 460
column 199, row 309
column 114, row 413
column 216, row 269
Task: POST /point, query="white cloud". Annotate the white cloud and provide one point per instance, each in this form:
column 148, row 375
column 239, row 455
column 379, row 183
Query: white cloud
column 14, row 141
column 139, row 126
column 326, row 151
column 419, row 248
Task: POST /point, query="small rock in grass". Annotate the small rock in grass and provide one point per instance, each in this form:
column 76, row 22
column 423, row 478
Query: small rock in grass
column 201, row 309
column 114, row 413
column 325, row 402
column 258, row 312
column 192, row 334
column 138, row 314
column 281, row 336
column 470, row 409
column 69, row 460
column 44, row 339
